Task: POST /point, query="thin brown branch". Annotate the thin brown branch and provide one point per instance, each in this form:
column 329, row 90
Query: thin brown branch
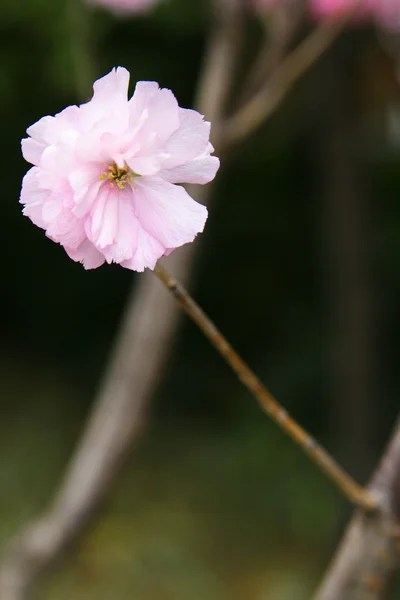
column 344, row 482
column 367, row 559
column 219, row 63
column 283, row 25
column 248, row 118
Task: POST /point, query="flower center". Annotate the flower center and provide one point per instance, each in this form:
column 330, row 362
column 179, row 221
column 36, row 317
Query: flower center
column 118, row 176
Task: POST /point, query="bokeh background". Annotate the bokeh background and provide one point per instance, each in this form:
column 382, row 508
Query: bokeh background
column 299, row 266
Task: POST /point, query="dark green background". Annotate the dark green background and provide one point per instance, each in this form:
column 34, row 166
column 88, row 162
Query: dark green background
column 215, row 502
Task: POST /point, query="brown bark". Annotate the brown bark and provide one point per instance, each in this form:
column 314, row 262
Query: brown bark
column 366, row 562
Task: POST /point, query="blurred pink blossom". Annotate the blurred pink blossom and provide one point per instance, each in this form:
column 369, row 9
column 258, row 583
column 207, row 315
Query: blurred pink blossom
column 126, row 6
column 385, row 12
column 338, row 8
column 388, row 13
column 103, row 184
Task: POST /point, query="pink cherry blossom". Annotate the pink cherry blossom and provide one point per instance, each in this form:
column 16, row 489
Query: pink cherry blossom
column 126, row 6
column 338, row 8
column 103, row 184
column 385, row 13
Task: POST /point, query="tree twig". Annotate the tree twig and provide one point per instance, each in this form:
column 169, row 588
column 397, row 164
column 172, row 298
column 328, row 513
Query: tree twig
column 344, row 482
column 249, row 117
column 283, row 24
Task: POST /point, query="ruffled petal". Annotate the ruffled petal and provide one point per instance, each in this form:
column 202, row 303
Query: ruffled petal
column 39, row 130
column 154, row 116
column 67, row 230
column 149, row 250
column 200, row 170
column 167, row 212
column 85, row 184
column 102, row 225
column 86, row 254
column 113, row 227
column 52, row 208
column 107, row 111
column 32, row 150
column 33, row 197
column 189, row 141
column 162, row 111
column 127, row 234
column 145, row 165
column 57, row 161
column 144, row 93
column 112, row 87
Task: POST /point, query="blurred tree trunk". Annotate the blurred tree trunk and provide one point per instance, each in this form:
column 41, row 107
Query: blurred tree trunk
column 365, row 564
column 347, row 242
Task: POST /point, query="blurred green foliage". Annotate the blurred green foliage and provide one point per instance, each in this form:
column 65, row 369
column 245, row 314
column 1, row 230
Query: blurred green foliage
column 215, row 502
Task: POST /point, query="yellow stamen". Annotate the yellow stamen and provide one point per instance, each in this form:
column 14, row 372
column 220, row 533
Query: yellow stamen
column 119, row 176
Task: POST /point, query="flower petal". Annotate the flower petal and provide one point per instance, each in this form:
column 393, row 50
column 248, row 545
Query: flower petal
column 127, row 234
column 149, row 250
column 101, row 227
column 161, row 107
column 33, row 196
column 113, row 227
column 32, row 150
column 85, row 183
column 39, row 129
column 113, row 86
column 167, row 212
column 189, row 141
column 86, row 254
column 200, row 170
column 154, row 115
column 107, row 111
